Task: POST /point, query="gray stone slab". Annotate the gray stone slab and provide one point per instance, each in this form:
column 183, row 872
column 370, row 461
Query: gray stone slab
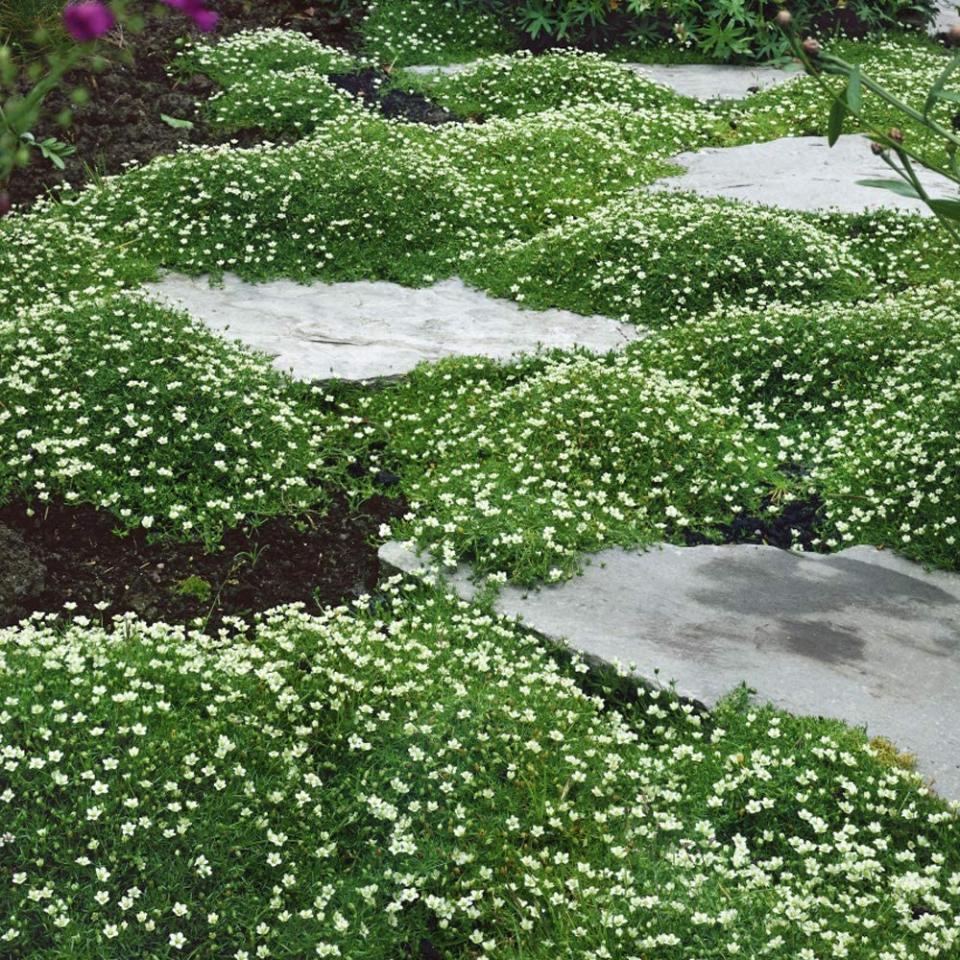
column 715, row 81
column 360, row 331
column 701, row 81
column 862, row 635
column 799, row 173
column 948, row 15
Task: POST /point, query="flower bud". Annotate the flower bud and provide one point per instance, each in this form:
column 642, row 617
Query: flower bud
column 88, row 20
column 895, row 134
column 5, row 203
column 878, row 148
column 811, row 47
column 784, row 18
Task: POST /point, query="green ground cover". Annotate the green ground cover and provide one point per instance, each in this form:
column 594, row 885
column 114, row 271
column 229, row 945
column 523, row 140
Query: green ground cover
column 905, row 65
column 411, row 774
column 542, row 203
column 409, row 32
column 743, row 411
column 423, row 774
column 142, row 411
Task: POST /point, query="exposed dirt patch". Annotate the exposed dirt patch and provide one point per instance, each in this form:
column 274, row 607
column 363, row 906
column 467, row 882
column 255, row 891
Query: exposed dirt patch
column 794, row 525
column 121, row 122
column 372, row 87
column 71, row 555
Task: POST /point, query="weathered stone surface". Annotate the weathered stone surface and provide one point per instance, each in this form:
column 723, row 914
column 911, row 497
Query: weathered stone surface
column 948, row 15
column 22, row 574
column 799, row 173
column 714, row 81
column 862, row 635
column 358, row 331
column 702, row 81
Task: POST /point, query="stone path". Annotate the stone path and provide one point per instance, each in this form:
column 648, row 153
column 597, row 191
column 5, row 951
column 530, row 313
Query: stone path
column 862, row 635
column 701, row 81
column 799, row 173
column 359, row 331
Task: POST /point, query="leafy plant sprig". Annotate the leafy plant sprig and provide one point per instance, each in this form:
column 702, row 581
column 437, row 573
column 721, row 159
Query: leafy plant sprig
column 890, row 144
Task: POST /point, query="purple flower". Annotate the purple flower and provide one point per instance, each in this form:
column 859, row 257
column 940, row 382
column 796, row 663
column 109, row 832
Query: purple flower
column 87, row 20
column 204, row 19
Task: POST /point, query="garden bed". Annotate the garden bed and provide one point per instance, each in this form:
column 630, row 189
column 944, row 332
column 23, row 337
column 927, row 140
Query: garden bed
column 195, row 767
column 122, row 123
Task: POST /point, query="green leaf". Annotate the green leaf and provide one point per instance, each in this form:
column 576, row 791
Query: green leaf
column 895, row 186
column 838, row 113
column 936, row 91
column 949, row 209
column 948, row 96
column 176, row 122
column 854, row 90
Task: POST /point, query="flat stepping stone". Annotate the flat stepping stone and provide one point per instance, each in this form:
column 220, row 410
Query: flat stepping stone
column 947, row 16
column 700, row 81
column 800, row 173
column 715, row 81
column 862, row 635
column 366, row 330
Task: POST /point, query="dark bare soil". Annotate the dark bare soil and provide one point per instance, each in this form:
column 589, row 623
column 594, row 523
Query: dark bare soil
column 121, row 121
column 796, row 524
column 371, row 86
column 71, row 555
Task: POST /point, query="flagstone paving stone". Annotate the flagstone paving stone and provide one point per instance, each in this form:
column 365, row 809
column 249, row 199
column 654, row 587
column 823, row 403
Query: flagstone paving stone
column 799, row 173
column 862, row 635
column 702, row 81
column 366, row 330
column 948, row 15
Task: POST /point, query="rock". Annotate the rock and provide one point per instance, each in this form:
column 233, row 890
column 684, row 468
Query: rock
column 948, row 15
column 715, row 81
column 364, row 330
column 799, row 173
column 701, row 81
column 862, row 635
column 22, row 572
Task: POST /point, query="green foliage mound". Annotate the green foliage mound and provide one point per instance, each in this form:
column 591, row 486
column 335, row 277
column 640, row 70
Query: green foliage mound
column 569, row 455
column 655, row 258
column 270, row 51
column 511, row 86
column 888, row 467
column 407, row 32
column 347, row 785
column 141, row 411
column 797, row 366
column 274, row 80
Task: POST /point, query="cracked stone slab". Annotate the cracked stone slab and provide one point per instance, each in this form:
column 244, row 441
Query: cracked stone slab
column 366, row 330
column 799, row 173
column 862, row 635
column 701, row 81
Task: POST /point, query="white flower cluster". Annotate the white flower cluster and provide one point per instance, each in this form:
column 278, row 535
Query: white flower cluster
column 265, row 51
column 579, row 453
column 862, row 399
column 521, row 83
column 141, row 411
column 275, row 80
column 406, row 32
column 345, row 785
column 654, row 259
